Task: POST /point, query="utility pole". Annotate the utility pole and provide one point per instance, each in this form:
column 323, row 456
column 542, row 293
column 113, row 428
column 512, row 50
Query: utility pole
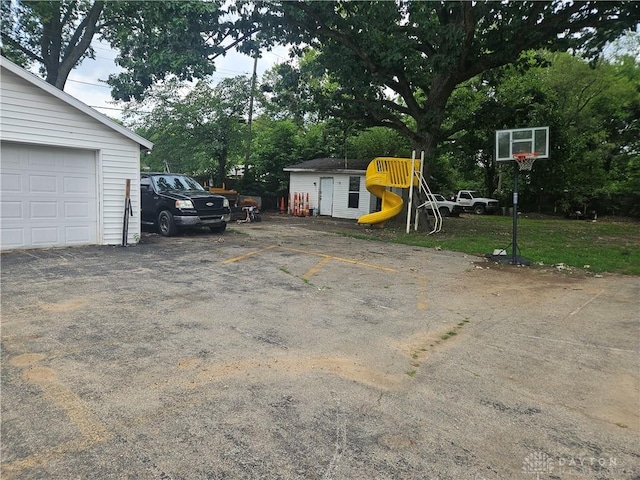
column 250, row 120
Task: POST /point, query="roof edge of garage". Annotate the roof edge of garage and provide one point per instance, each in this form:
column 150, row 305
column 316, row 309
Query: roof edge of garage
column 74, row 102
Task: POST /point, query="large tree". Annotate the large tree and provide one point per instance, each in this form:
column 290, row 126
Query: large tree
column 397, row 63
column 153, row 38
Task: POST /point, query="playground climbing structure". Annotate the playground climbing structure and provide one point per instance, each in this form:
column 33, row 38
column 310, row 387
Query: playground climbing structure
column 384, row 173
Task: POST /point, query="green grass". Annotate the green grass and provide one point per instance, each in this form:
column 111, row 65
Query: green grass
column 605, row 246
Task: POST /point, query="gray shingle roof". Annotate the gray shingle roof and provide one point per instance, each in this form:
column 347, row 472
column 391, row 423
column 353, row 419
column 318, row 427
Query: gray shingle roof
column 330, row 165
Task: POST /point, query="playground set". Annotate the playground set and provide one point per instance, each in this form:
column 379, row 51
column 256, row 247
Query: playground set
column 384, row 173
column 522, row 145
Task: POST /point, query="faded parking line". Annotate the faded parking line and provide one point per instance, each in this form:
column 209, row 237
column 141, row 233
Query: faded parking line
column 92, row 431
column 345, row 260
column 247, row 255
column 316, row 268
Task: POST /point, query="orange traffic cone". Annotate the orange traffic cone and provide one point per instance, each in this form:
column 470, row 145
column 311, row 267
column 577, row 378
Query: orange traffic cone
column 281, row 204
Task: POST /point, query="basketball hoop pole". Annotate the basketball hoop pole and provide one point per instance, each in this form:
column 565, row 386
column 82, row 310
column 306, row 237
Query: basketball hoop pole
column 524, row 145
column 524, row 161
column 514, row 236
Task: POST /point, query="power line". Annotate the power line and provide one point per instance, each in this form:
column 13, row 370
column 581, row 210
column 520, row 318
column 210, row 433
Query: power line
column 120, row 109
column 88, row 83
column 107, row 108
column 217, row 73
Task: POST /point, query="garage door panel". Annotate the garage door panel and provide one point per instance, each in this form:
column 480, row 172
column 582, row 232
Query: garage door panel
column 10, row 161
column 10, row 182
column 76, row 185
column 80, row 235
column 11, row 210
column 43, row 184
column 48, row 196
column 76, row 210
column 76, row 162
column 42, row 158
column 44, row 236
column 12, row 237
column 43, row 210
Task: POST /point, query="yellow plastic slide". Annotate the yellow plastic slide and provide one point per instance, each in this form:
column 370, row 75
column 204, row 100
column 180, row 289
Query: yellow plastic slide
column 384, row 173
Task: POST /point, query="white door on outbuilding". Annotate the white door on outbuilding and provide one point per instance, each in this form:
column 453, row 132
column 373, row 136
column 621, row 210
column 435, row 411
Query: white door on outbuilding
column 48, row 196
column 326, row 196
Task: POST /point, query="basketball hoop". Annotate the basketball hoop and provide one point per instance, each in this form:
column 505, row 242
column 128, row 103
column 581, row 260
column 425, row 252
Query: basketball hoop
column 525, row 160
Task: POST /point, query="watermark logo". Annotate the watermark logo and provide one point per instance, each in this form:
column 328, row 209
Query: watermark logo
column 542, row 465
column 537, row 463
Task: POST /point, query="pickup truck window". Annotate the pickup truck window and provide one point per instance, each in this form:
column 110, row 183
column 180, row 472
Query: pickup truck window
column 465, row 195
column 165, row 183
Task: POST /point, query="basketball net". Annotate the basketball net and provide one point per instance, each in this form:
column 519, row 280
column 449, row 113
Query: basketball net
column 525, row 160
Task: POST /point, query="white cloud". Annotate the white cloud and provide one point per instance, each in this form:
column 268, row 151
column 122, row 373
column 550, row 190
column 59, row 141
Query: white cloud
column 86, row 82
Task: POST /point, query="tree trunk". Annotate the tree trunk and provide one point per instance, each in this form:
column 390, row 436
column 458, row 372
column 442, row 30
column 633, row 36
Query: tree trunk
column 59, row 61
column 222, row 163
column 429, row 121
column 426, row 143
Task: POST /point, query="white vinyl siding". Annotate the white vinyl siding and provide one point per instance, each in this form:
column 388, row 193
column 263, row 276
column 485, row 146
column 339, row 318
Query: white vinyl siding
column 309, row 182
column 33, row 116
column 304, row 183
column 341, row 198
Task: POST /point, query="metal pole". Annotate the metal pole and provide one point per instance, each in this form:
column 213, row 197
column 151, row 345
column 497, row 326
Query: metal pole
column 514, row 247
column 415, row 227
column 410, row 202
column 247, row 158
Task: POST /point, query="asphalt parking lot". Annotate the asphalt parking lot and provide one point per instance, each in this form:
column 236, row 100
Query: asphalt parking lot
column 282, row 351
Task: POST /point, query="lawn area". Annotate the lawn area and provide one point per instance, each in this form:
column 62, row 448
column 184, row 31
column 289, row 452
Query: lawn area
column 608, row 245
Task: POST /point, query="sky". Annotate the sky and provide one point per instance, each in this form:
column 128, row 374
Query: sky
column 84, row 82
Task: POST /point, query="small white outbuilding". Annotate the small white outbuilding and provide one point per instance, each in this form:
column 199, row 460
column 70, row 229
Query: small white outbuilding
column 335, row 187
column 63, row 168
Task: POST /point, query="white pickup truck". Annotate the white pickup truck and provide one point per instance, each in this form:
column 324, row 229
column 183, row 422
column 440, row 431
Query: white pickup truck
column 473, row 201
column 447, row 208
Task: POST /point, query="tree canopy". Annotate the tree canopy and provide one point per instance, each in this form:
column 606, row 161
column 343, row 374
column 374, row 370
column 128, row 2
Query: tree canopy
column 194, row 132
column 154, row 39
column 396, row 64
column 592, row 112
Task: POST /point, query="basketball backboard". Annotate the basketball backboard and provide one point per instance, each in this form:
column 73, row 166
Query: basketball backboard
column 521, row 140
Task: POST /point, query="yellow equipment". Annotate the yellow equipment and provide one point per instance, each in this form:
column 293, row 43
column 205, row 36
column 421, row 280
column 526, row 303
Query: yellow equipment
column 384, row 173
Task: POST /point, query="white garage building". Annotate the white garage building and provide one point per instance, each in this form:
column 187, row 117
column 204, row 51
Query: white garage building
column 63, row 168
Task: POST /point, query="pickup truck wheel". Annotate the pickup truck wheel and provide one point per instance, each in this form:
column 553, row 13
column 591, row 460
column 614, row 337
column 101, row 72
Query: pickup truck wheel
column 166, row 224
column 478, row 209
column 218, row 228
column 444, row 212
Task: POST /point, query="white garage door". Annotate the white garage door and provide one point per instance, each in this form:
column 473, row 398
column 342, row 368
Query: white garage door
column 47, row 197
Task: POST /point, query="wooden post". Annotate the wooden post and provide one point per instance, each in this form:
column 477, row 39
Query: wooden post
column 128, row 210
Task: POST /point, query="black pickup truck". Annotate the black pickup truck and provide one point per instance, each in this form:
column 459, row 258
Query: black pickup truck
column 172, row 201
